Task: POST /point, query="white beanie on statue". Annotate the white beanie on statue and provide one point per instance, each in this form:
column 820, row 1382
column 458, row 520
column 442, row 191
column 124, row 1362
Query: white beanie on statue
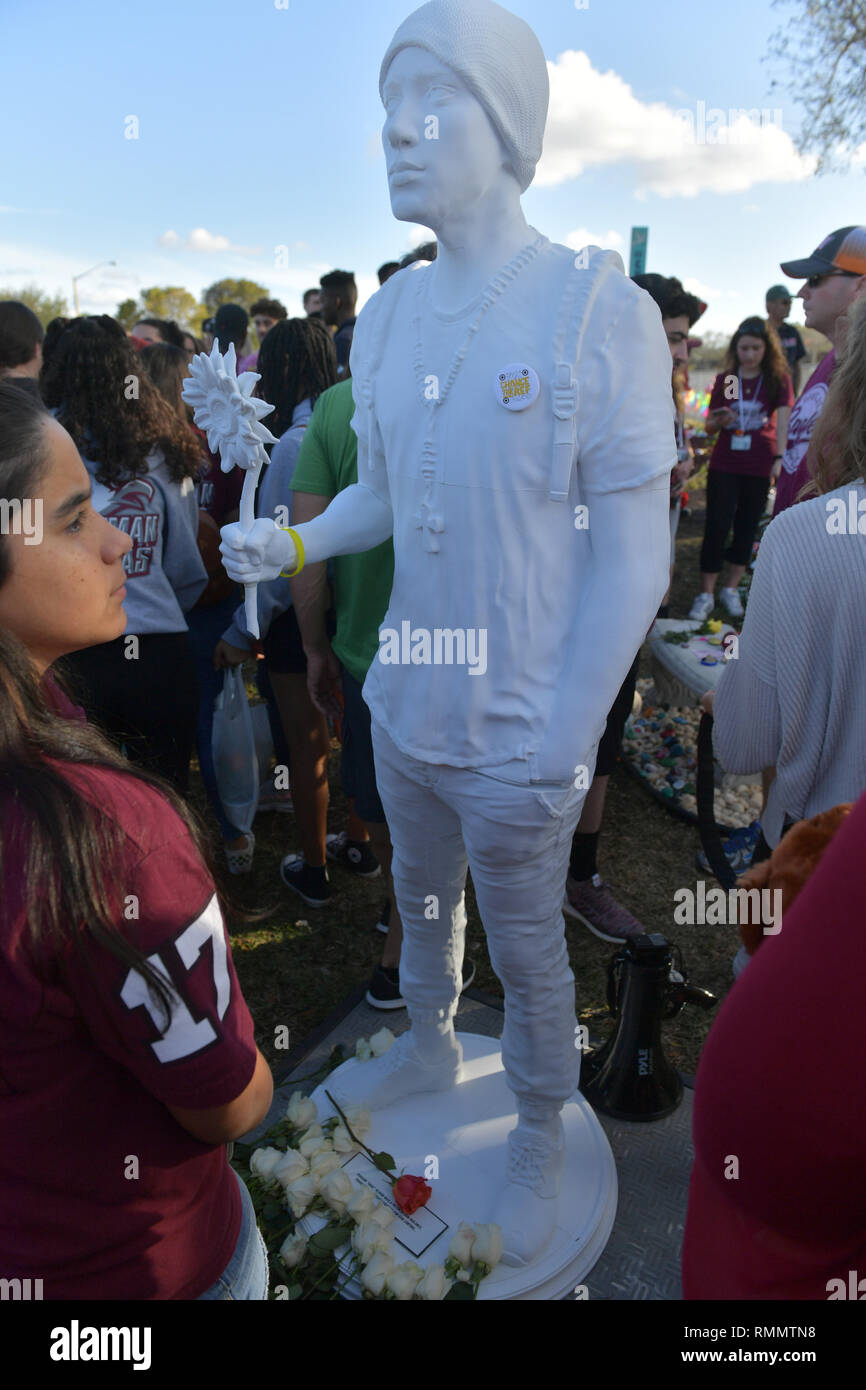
column 501, row 61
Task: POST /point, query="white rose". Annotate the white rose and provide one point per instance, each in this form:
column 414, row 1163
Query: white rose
column 461, row 1245
column 342, row 1140
column 293, row 1250
column 300, row 1193
column 292, row 1165
column 324, row 1162
column 381, row 1041
column 404, row 1280
column 302, row 1111
column 361, row 1204
column 432, row 1286
column 264, row 1161
column 368, row 1238
column 487, row 1246
column 336, row 1189
column 362, row 1050
column 359, row 1118
column 314, row 1144
column 374, row 1275
column 383, row 1216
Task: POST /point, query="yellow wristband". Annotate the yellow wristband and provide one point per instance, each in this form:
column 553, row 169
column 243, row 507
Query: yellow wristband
column 299, row 546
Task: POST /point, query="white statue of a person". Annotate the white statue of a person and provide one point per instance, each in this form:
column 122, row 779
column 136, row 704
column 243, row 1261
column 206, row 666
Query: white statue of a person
column 514, row 422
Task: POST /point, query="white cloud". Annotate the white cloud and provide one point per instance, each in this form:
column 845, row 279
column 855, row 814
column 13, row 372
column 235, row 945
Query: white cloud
column 99, row 292
column 417, row 236
column 705, row 292
column 582, row 236
column 200, row 239
column 595, row 119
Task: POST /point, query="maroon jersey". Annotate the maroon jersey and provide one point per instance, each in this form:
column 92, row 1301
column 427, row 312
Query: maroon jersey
column 103, row 1195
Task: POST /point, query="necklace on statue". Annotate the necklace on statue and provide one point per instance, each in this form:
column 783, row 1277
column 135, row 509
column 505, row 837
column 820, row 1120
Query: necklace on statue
column 433, row 395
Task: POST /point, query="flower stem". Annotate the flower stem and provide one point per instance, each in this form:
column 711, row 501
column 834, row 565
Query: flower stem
column 329, row 1270
column 349, row 1277
column 352, row 1135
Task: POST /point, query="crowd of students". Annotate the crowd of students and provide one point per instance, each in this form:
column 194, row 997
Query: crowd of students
column 115, row 632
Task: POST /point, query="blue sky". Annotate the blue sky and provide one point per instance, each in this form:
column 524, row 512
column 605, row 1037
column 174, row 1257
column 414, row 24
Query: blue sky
column 258, row 150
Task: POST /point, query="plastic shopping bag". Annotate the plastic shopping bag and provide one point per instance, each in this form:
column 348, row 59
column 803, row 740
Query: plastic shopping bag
column 263, row 740
column 235, row 757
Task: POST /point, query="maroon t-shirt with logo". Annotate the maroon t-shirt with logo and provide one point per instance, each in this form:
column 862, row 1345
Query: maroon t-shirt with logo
column 758, row 424
column 804, row 417
column 217, row 493
column 103, row 1195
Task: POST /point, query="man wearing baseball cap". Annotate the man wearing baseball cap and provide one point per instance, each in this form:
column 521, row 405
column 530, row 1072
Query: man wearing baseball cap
column 778, row 301
column 835, row 275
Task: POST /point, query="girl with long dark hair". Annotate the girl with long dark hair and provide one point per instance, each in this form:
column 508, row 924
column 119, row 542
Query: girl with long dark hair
column 750, row 405
column 142, row 688
column 127, row 1057
column 218, row 497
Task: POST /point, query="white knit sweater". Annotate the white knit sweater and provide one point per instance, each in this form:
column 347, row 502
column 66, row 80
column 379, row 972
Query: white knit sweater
column 796, row 696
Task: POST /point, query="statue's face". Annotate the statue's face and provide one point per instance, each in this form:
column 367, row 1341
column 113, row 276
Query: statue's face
column 442, row 152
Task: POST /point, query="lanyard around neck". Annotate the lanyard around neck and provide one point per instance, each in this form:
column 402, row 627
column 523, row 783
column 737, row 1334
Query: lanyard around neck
column 751, row 398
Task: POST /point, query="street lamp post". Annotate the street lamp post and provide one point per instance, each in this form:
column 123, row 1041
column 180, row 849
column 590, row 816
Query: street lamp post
column 76, row 278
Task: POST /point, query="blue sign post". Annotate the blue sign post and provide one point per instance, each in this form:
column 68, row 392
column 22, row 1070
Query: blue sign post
column 637, row 258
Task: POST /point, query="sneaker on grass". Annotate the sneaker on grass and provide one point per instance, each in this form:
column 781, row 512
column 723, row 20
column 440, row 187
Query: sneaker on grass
column 702, row 608
column 384, row 991
column 355, row 855
column 309, row 883
column 240, row 861
column 593, row 904
column 730, row 601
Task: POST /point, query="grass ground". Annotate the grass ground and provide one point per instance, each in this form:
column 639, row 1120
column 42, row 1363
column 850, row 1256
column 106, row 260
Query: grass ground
column 300, row 963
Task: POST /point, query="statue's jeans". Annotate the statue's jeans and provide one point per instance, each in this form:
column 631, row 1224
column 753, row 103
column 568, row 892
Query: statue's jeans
column 516, row 839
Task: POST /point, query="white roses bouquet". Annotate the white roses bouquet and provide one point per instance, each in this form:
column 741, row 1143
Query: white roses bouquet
column 298, row 1171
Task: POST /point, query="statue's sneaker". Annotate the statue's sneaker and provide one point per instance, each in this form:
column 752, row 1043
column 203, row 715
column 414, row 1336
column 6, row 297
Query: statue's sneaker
column 399, row 1073
column 526, row 1211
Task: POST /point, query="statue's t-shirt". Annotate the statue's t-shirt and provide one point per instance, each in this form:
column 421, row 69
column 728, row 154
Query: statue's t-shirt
column 479, row 637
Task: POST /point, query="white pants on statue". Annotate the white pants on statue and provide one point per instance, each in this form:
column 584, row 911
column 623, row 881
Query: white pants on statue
column 516, row 839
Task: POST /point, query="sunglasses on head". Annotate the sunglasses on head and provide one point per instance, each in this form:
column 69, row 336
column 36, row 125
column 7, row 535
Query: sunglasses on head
column 815, row 280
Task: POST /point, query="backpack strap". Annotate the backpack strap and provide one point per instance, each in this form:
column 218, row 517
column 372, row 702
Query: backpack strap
column 586, row 272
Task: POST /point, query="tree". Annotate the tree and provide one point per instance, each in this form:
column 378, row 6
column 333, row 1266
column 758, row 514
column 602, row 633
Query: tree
column 172, row 302
column 128, row 314
column 823, row 48
column 45, row 306
column 243, row 292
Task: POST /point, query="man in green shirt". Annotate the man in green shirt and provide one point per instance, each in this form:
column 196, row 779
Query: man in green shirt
column 328, row 463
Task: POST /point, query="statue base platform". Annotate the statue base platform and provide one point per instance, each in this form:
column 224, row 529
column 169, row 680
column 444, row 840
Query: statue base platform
column 465, row 1130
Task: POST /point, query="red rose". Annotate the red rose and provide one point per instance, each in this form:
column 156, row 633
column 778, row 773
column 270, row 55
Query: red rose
column 411, row 1193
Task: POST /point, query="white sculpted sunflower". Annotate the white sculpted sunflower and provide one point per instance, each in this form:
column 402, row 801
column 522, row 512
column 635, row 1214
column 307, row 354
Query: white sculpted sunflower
column 224, row 407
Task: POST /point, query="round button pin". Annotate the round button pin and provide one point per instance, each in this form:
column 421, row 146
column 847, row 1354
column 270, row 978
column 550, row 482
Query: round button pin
column 517, row 386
